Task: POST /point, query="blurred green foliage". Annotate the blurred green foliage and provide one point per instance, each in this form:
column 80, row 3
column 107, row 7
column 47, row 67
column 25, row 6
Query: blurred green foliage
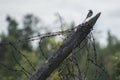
column 109, row 55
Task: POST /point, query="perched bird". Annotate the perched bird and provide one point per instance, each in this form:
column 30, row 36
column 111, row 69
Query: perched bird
column 90, row 13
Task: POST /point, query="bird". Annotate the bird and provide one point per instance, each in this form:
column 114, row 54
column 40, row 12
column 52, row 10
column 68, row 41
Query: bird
column 90, row 13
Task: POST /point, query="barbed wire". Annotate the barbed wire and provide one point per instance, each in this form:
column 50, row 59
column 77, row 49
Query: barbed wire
column 31, row 38
column 88, row 43
column 71, row 64
column 45, row 35
column 38, row 37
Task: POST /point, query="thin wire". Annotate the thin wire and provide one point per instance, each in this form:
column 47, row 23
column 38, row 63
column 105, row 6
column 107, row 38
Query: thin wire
column 39, row 36
column 23, row 69
column 10, row 69
column 100, row 67
column 23, row 56
column 43, row 54
column 87, row 62
column 94, row 47
column 49, row 34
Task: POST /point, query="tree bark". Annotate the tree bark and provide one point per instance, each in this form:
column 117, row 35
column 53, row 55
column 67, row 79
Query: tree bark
column 65, row 49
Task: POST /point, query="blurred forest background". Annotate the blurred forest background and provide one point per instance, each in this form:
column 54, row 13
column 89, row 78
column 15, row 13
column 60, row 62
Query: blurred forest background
column 109, row 55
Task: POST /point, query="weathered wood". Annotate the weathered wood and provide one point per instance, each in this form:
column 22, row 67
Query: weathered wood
column 66, row 48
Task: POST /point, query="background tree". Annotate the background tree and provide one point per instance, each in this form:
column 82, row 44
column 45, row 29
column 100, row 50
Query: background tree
column 108, row 56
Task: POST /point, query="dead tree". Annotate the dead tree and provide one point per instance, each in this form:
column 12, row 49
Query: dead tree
column 65, row 49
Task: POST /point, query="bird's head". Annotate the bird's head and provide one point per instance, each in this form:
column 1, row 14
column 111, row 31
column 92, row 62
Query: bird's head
column 90, row 10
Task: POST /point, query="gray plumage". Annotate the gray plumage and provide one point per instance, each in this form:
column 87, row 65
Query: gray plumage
column 90, row 13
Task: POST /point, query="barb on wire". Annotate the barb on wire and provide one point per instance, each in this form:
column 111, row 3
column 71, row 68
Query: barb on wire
column 39, row 36
column 12, row 45
column 49, row 34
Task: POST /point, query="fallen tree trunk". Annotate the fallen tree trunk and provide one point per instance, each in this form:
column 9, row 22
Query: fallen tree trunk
column 65, row 49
